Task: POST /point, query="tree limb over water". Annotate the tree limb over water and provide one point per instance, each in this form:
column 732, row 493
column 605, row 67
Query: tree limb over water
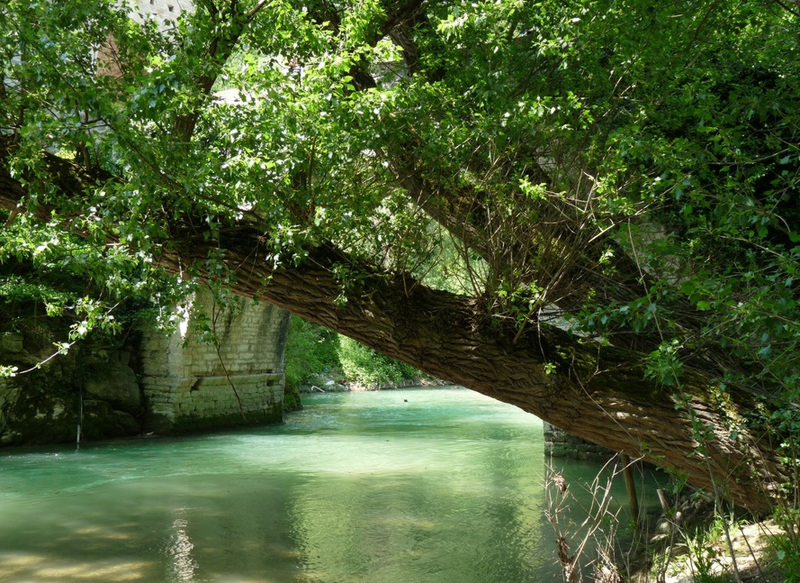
column 455, row 186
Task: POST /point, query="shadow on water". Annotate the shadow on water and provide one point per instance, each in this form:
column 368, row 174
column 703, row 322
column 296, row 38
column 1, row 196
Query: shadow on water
column 414, row 485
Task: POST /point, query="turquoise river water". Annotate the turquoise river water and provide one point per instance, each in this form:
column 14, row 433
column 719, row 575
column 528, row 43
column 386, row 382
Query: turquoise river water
column 420, row 485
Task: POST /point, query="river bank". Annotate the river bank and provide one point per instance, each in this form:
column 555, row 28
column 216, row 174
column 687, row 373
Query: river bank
column 327, row 383
column 704, row 556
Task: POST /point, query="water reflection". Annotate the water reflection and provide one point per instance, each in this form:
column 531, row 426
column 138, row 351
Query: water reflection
column 180, row 548
column 412, row 486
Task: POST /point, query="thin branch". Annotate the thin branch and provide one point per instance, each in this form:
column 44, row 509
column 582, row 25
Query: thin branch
column 215, row 313
column 41, row 363
column 789, row 9
column 255, row 10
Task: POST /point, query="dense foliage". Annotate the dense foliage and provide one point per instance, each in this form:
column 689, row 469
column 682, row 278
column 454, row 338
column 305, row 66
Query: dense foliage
column 625, row 170
column 316, row 355
column 310, row 351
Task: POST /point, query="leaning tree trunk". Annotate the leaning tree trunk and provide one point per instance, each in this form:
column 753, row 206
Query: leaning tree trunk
column 595, row 392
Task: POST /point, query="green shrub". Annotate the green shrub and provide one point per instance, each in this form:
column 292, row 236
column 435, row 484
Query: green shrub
column 310, row 350
column 365, row 366
column 787, row 544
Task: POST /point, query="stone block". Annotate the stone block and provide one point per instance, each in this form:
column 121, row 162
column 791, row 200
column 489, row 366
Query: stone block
column 115, row 383
column 10, row 342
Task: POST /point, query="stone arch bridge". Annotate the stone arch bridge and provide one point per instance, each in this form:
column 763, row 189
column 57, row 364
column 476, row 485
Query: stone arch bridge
column 147, row 382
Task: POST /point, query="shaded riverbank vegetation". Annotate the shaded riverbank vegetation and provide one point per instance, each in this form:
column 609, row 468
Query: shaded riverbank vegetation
column 614, row 186
column 320, row 359
column 687, row 538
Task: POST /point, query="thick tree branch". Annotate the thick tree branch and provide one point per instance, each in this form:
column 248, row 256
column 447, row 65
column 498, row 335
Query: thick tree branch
column 596, row 392
column 231, row 23
column 593, row 391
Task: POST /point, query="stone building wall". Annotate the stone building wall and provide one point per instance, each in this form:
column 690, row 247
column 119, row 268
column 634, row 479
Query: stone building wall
column 187, row 384
column 160, row 10
column 560, row 444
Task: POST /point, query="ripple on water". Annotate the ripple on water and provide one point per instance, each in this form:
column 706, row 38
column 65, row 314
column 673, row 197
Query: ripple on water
column 420, row 485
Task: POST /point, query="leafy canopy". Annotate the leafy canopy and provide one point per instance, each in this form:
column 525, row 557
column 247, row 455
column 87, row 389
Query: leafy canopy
column 628, row 167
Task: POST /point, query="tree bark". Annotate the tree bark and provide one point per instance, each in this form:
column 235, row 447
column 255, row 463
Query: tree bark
column 596, row 392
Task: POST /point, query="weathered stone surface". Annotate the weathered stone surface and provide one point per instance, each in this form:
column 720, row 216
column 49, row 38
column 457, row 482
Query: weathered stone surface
column 181, row 385
column 560, row 444
column 190, row 385
column 101, row 421
column 115, row 383
column 33, row 414
column 49, row 405
column 40, row 406
column 10, row 342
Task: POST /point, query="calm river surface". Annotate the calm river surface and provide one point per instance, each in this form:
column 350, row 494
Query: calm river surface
column 420, row 485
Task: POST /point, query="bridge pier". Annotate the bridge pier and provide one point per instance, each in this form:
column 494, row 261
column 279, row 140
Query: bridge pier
column 234, row 378
column 560, row 444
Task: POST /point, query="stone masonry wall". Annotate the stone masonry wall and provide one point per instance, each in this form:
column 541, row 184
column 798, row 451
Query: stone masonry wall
column 189, row 385
column 89, row 393
column 560, row 444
